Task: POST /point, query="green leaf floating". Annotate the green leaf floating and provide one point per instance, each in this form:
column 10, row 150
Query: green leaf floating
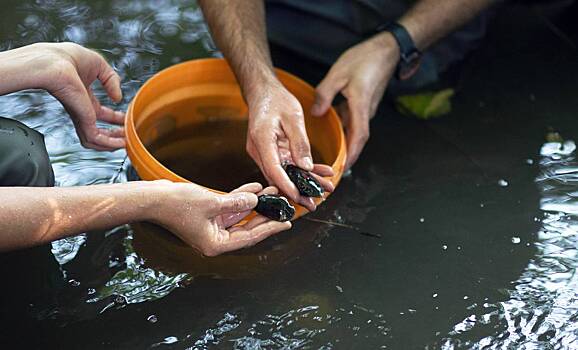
column 426, row 105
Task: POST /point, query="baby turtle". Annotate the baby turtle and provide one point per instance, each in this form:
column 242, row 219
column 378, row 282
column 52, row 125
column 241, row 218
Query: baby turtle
column 275, row 207
column 306, row 184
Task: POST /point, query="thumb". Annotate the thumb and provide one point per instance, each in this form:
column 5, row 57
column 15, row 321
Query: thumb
column 236, row 202
column 325, row 93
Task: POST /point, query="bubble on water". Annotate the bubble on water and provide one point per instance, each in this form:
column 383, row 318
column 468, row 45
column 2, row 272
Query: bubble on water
column 170, row 340
column 74, row 282
column 516, row 240
column 503, row 183
column 152, row 319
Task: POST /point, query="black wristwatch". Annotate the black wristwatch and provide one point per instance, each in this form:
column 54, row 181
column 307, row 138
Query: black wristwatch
column 410, row 56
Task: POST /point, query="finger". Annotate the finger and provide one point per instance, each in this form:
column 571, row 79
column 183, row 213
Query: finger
column 113, row 132
column 323, row 170
column 269, row 190
column 281, row 180
column 357, row 130
column 254, row 222
column 109, row 79
column 326, row 91
column 272, row 169
column 98, row 148
column 325, row 183
column 253, row 187
column 77, row 102
column 239, row 239
column 232, row 219
column 343, row 112
column 110, row 139
column 299, row 142
column 235, row 203
column 110, row 116
column 291, row 190
column 307, row 202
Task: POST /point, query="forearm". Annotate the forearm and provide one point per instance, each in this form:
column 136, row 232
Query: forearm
column 239, row 30
column 18, row 70
column 30, row 216
column 430, row 20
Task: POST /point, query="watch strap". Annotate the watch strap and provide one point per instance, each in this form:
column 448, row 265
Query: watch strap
column 410, row 56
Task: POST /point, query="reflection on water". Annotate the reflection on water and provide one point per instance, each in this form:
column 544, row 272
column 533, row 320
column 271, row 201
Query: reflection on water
column 137, row 38
column 465, row 259
column 541, row 311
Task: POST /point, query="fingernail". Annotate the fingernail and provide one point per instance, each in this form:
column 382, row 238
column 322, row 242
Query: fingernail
column 308, row 162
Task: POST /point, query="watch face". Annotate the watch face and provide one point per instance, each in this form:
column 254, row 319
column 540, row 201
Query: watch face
column 409, row 65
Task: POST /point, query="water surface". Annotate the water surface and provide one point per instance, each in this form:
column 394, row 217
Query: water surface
column 477, row 214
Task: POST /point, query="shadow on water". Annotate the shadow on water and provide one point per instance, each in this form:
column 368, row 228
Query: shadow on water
column 475, row 212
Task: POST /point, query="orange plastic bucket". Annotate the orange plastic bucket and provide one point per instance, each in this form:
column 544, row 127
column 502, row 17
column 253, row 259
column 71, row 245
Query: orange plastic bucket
column 200, row 91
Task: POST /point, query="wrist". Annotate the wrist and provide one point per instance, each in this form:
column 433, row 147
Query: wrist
column 259, row 87
column 388, row 47
column 152, row 198
column 408, row 56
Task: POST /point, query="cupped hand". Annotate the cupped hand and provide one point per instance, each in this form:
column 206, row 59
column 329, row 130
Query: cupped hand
column 277, row 136
column 208, row 221
column 361, row 75
column 67, row 71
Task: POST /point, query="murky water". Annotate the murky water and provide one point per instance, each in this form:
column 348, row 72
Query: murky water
column 476, row 212
column 209, row 153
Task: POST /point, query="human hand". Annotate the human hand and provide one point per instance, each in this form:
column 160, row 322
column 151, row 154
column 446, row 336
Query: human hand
column 66, row 71
column 205, row 220
column 361, row 74
column 277, row 135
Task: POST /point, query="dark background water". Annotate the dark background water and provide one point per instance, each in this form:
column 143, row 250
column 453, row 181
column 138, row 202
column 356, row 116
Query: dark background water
column 476, row 212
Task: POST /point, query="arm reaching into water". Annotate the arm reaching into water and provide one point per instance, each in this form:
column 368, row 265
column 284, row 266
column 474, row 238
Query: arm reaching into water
column 31, row 216
column 362, row 73
column 276, row 124
column 204, row 220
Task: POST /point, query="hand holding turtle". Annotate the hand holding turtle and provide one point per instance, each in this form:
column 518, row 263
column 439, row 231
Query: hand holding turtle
column 277, row 136
column 208, row 221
